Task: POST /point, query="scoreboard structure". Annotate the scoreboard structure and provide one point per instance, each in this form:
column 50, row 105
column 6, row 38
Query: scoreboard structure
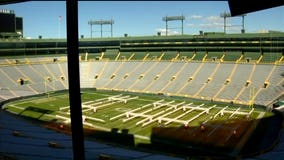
column 11, row 26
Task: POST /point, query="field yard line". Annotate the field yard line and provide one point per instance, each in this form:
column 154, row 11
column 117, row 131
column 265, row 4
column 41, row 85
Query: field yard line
column 97, row 93
column 147, row 100
column 64, row 113
column 149, row 116
column 120, row 115
column 32, row 99
column 101, row 128
column 51, row 115
column 260, row 115
column 141, row 137
column 198, row 115
column 22, row 102
column 159, row 117
column 12, row 105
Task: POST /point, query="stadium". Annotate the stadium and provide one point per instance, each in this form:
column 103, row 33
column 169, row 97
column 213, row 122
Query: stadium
column 212, row 95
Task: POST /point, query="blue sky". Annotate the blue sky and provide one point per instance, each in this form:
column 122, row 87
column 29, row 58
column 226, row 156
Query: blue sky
column 138, row 18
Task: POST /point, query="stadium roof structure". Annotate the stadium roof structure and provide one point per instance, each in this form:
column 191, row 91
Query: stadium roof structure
column 248, row 6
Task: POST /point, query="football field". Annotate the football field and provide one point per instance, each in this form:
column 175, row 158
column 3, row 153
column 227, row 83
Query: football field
column 136, row 112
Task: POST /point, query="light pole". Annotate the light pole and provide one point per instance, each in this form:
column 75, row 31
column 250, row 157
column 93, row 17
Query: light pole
column 59, row 26
column 225, row 15
column 174, row 18
column 101, row 23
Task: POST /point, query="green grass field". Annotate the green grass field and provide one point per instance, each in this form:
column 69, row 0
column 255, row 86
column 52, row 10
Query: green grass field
column 137, row 112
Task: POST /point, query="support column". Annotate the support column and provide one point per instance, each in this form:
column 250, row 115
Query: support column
column 74, row 80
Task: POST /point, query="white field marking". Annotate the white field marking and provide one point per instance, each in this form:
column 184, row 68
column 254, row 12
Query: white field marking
column 63, row 108
column 107, row 101
column 122, row 99
column 50, row 115
column 94, row 119
column 13, row 112
column 107, row 95
column 234, row 112
column 115, row 96
column 159, row 119
column 91, row 106
column 280, row 108
column 195, row 108
column 101, row 106
column 261, row 114
column 157, row 102
column 221, row 112
column 14, row 106
column 198, row 115
column 62, row 117
column 106, row 98
column 35, row 99
column 143, row 113
column 103, row 102
column 64, row 113
column 64, row 96
column 147, row 100
column 124, row 114
column 141, row 137
column 97, row 127
column 250, row 112
column 138, row 115
column 173, row 106
column 118, row 95
column 119, row 99
column 66, row 120
column 99, row 100
column 176, row 105
column 164, row 115
column 94, row 108
column 27, row 101
column 43, row 100
column 147, row 117
column 163, row 104
column 60, row 96
column 240, row 112
column 132, row 98
column 169, row 120
column 88, row 102
column 122, row 109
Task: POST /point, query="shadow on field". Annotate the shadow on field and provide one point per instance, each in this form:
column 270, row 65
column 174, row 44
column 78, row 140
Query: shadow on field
column 236, row 139
column 233, row 138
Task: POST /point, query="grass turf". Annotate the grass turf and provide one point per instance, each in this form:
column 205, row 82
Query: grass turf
column 46, row 108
